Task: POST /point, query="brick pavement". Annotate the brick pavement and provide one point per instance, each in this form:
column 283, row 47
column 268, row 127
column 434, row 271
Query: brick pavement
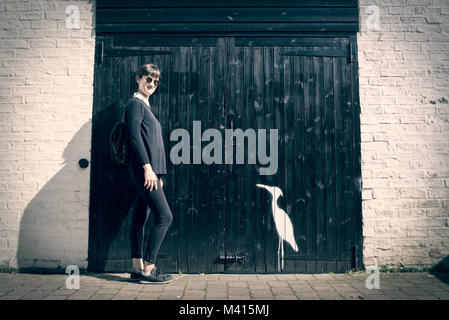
column 113, row 286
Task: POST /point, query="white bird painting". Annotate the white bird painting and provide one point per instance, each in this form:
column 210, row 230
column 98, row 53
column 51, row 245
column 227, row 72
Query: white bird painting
column 282, row 222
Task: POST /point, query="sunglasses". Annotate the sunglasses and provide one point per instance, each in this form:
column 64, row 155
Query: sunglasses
column 149, row 80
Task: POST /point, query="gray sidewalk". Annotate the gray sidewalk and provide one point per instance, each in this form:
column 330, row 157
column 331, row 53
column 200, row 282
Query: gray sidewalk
column 107, row 286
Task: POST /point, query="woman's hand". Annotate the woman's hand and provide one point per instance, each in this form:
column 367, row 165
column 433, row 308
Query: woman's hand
column 150, row 179
column 162, row 182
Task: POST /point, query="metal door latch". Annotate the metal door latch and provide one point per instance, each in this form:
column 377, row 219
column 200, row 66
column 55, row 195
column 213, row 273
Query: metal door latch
column 229, row 258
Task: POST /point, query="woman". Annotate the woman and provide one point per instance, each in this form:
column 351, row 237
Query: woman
column 147, row 166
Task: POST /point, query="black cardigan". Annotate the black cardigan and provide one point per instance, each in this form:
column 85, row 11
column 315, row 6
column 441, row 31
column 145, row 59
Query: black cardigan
column 145, row 136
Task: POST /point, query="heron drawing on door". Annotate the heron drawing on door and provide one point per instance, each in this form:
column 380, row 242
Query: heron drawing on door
column 282, row 222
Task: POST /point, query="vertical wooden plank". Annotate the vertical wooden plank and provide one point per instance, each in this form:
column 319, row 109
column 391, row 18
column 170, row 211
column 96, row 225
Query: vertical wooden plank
column 236, row 193
column 329, row 152
column 124, row 95
column 113, row 250
column 112, row 208
column 316, row 132
column 348, row 153
column 251, row 213
column 171, row 188
column 203, row 187
column 211, row 169
column 283, row 105
column 245, row 224
column 271, row 237
column 319, row 162
column 186, row 187
column 339, row 159
column 309, row 108
column 164, row 93
column 170, row 245
column 260, row 199
column 181, row 170
column 299, row 132
column 273, row 74
column 117, row 249
column 290, row 175
column 196, row 251
column 236, row 96
column 230, row 195
column 106, row 207
column 173, row 84
column 171, row 179
column 214, row 194
column 93, row 207
column 221, row 123
column 357, row 156
column 218, row 171
column 287, row 161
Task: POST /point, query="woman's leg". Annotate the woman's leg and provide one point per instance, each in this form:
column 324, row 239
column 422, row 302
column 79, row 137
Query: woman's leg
column 140, row 216
column 163, row 219
column 157, row 203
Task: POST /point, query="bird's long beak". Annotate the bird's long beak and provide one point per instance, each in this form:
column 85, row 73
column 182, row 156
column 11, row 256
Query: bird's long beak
column 271, row 190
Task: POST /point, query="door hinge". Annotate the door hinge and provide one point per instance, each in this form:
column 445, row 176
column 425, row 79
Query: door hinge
column 134, row 52
column 317, row 53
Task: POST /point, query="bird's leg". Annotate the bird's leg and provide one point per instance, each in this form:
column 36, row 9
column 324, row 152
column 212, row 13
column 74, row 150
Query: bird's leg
column 279, row 254
column 282, row 255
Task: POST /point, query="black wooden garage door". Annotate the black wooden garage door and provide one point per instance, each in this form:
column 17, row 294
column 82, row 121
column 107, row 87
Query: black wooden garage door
column 306, row 87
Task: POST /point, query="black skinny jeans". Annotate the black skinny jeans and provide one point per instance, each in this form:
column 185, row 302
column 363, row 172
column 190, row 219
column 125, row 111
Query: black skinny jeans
column 144, row 203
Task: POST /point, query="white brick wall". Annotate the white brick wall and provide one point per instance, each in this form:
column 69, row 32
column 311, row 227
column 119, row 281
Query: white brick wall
column 46, row 79
column 46, row 93
column 404, row 81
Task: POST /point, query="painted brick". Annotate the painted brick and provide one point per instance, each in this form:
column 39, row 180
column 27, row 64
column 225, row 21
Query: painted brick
column 414, row 47
column 35, row 178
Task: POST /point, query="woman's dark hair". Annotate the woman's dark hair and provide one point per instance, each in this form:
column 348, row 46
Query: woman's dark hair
column 148, row 69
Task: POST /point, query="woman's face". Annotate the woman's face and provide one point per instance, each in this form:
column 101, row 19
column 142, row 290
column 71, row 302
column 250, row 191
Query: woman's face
column 145, row 87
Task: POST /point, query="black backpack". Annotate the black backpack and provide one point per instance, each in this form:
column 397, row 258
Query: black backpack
column 119, row 147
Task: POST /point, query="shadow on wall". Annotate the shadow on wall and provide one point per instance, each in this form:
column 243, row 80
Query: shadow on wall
column 54, row 226
column 441, row 270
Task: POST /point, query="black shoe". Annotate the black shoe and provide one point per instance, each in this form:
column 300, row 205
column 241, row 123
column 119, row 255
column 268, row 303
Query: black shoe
column 155, row 276
column 135, row 276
